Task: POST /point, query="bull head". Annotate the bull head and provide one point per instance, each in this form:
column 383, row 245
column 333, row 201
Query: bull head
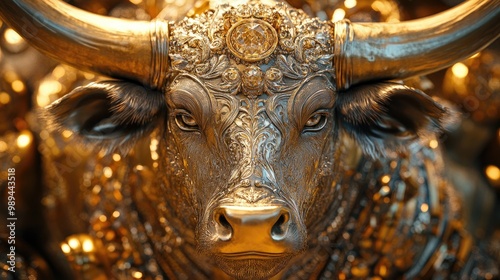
column 253, row 102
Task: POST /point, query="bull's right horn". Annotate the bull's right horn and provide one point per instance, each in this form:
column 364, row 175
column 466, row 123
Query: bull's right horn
column 381, row 51
column 133, row 50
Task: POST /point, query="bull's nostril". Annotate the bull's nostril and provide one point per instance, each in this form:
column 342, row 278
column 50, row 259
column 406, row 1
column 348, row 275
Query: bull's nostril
column 280, row 228
column 223, row 221
column 224, row 229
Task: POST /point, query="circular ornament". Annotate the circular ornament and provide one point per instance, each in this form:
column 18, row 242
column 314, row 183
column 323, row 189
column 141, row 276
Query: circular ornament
column 252, row 39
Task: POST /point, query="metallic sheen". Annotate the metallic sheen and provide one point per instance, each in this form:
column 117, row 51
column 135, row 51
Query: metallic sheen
column 378, row 51
column 116, row 47
column 234, row 144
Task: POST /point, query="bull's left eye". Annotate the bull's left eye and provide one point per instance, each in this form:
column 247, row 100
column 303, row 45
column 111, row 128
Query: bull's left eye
column 315, row 123
column 186, row 121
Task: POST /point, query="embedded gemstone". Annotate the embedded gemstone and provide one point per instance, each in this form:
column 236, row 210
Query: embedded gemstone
column 252, row 39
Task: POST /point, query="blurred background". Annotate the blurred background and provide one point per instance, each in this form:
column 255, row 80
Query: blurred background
column 29, row 81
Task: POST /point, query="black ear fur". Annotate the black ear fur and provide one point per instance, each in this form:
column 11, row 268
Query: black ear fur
column 386, row 117
column 107, row 114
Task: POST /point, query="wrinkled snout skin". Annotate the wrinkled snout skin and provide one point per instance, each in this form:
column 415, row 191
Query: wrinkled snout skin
column 249, row 171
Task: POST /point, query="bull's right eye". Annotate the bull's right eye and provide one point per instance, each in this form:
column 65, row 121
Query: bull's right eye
column 186, row 121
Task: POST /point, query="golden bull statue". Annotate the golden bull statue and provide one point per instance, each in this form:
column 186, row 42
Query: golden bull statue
column 282, row 146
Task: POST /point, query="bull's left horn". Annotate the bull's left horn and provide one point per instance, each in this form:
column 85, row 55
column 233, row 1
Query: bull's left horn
column 379, row 51
column 133, row 50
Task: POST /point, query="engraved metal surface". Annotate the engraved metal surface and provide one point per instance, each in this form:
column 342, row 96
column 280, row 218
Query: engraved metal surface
column 268, row 154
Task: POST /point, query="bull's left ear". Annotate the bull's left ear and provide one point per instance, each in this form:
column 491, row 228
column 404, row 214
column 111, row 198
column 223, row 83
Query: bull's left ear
column 107, row 114
column 385, row 117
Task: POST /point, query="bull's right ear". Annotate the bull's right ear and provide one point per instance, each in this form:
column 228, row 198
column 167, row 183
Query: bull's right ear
column 107, row 114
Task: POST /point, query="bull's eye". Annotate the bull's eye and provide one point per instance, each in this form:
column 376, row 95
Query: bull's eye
column 186, row 121
column 316, row 122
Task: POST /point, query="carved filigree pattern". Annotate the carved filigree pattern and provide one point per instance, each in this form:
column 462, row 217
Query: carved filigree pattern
column 253, row 142
column 238, row 40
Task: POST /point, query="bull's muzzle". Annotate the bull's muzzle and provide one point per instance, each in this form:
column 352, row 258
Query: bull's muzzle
column 258, row 231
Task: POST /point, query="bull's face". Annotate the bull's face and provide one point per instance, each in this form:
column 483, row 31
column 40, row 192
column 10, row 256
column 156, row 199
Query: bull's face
column 248, row 130
column 251, row 168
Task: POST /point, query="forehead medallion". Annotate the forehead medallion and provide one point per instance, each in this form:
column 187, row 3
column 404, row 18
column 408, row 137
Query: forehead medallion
column 252, row 39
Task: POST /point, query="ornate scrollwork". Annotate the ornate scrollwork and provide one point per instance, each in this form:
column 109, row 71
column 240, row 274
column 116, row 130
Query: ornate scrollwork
column 239, row 44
